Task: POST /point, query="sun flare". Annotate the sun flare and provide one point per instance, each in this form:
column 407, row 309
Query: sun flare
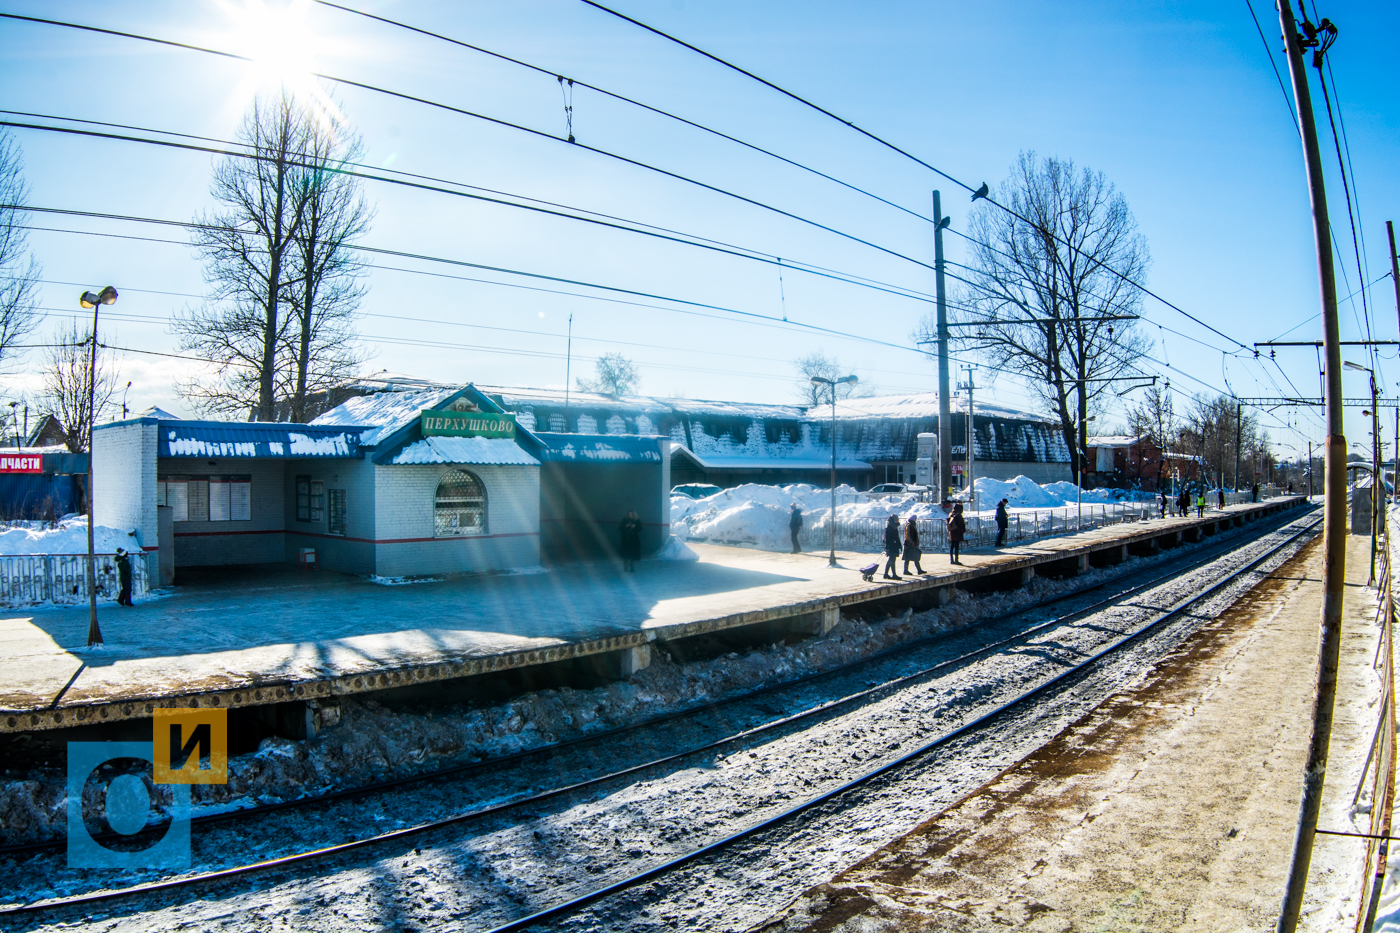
column 277, row 38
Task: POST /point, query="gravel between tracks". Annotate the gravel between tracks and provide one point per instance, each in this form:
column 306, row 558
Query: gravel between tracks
column 503, row 867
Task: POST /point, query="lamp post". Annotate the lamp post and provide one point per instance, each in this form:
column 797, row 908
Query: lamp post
column 1375, row 461
column 107, row 296
column 833, row 383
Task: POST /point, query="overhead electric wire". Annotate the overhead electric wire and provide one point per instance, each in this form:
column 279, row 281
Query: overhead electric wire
column 493, row 120
column 1287, row 98
column 753, row 316
column 682, row 238
column 627, row 100
column 802, row 100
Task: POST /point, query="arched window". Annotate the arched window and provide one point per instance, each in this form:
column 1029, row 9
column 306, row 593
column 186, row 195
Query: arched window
column 460, row 507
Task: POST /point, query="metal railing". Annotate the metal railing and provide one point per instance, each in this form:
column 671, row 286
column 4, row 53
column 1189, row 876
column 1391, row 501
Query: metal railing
column 1380, row 761
column 30, row 579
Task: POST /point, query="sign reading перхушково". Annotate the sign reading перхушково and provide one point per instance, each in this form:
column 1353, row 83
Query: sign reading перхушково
column 467, row 424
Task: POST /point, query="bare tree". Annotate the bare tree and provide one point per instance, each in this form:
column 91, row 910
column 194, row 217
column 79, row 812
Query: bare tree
column 19, row 273
column 248, row 247
column 1212, row 430
column 327, row 285
column 614, row 375
column 1041, row 291
column 67, row 377
column 1155, row 417
column 811, row 394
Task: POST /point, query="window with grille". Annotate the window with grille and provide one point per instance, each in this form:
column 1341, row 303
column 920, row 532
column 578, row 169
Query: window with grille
column 460, row 507
column 337, row 512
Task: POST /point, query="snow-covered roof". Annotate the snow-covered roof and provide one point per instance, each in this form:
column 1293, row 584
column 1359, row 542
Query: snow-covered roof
column 1114, row 440
column 513, row 397
column 160, row 414
column 247, row 439
column 383, row 412
column 484, row 450
column 599, row 448
column 45, row 449
column 919, row 405
column 692, row 406
column 722, row 462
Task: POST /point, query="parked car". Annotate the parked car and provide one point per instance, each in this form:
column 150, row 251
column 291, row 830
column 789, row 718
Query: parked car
column 695, row 490
column 884, row 488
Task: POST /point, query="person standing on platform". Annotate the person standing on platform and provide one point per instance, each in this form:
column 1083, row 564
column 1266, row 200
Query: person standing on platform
column 912, row 551
column 1003, row 523
column 630, row 533
column 1183, row 503
column 124, row 577
column 1254, row 492
column 794, row 526
column 893, row 546
column 1201, row 504
column 957, row 528
column 1221, row 494
column 1163, row 504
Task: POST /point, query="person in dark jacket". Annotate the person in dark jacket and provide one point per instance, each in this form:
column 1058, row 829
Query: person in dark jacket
column 1003, row 522
column 1220, row 496
column 794, row 526
column 631, row 534
column 912, row 551
column 893, row 546
column 1163, row 504
column 124, row 577
column 957, row 528
column 1254, row 492
column 1183, row 503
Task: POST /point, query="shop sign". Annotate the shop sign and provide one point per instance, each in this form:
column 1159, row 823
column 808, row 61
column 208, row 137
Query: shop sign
column 467, row 424
column 21, row 463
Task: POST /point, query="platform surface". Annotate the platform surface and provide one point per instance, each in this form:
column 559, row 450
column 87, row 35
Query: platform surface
column 287, row 626
column 1172, row 806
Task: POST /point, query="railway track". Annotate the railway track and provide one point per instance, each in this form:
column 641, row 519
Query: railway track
column 165, row 889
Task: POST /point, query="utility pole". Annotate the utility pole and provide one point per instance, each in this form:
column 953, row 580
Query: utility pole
column 1239, row 412
column 1394, row 266
column 945, row 410
column 1335, row 489
column 971, row 451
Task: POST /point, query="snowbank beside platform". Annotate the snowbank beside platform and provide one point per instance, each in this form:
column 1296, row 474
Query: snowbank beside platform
column 757, row 516
column 70, row 537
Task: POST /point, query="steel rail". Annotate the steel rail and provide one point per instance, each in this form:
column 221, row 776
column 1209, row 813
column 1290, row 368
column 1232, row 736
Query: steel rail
column 285, row 861
column 680, row 861
column 351, row 793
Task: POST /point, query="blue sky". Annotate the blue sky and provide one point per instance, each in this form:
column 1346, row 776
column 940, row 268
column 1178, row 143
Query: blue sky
column 1176, row 103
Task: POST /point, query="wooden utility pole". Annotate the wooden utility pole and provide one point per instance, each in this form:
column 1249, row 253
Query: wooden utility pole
column 945, row 411
column 1334, row 491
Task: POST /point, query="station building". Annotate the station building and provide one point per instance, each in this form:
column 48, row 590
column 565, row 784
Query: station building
column 395, row 483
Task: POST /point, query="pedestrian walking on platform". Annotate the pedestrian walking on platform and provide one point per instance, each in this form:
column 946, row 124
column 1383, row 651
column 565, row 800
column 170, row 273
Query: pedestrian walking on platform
column 794, row 526
column 957, row 528
column 630, row 533
column 1003, row 523
column 912, row 551
column 1183, row 504
column 893, row 547
column 1201, row 504
column 124, row 577
column 1164, row 503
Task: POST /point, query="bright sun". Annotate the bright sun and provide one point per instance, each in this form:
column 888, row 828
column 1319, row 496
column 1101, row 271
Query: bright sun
column 277, row 36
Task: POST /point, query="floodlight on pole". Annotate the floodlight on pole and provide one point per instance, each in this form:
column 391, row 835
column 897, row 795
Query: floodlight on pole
column 833, row 383
column 93, row 302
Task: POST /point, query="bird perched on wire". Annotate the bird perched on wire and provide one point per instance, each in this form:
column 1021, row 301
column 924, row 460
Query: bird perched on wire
column 980, row 192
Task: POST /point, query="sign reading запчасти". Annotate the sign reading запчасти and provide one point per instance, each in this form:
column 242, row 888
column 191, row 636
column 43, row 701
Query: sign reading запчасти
column 467, row 424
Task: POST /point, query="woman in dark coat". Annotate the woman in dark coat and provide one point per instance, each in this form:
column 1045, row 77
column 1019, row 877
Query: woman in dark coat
column 957, row 527
column 893, row 546
column 631, row 534
column 912, row 551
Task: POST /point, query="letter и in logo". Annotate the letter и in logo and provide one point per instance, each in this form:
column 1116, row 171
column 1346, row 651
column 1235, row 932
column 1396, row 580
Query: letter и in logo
column 191, row 746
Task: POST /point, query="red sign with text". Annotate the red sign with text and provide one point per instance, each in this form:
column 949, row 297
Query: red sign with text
column 21, row 463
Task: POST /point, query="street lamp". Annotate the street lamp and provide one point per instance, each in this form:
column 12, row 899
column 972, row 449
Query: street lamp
column 107, row 296
column 1375, row 462
column 833, row 383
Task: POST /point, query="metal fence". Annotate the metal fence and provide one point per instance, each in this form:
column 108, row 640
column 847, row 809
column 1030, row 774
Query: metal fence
column 1380, row 761
column 29, row 579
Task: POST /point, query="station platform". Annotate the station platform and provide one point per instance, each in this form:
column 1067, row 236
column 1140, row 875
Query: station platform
column 283, row 635
column 1171, row 806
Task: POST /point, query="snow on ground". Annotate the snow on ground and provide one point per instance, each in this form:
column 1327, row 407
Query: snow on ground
column 70, row 537
column 758, row 515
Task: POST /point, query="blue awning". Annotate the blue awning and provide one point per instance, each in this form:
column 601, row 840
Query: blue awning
column 256, row 439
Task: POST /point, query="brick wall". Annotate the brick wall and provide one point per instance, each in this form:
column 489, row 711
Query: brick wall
column 256, row 541
column 404, row 529
column 124, row 478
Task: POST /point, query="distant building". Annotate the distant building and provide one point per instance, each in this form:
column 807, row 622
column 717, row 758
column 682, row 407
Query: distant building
column 1124, row 462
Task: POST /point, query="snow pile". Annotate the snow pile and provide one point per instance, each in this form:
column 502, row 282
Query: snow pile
column 70, row 537
column 1021, row 492
column 675, row 549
